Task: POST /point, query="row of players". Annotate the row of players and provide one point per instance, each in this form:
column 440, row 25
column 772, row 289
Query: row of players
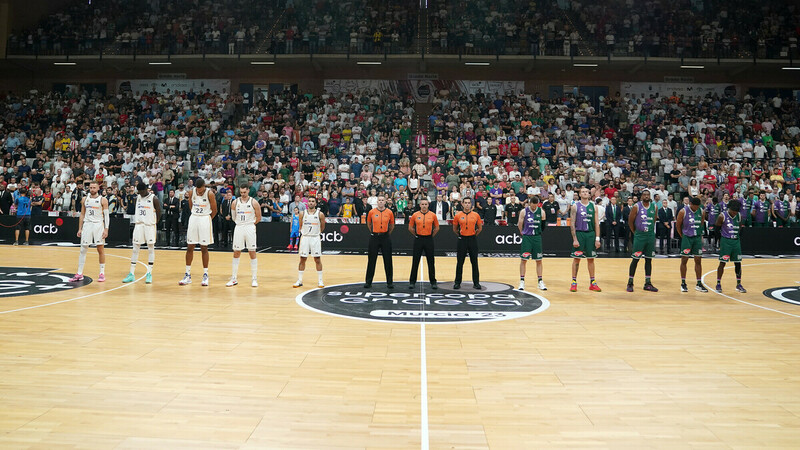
column 424, row 225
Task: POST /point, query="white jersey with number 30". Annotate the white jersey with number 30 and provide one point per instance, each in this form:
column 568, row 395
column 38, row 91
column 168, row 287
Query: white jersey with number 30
column 145, row 210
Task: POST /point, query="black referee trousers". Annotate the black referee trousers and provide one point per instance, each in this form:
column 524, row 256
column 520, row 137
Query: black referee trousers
column 382, row 242
column 423, row 244
column 467, row 244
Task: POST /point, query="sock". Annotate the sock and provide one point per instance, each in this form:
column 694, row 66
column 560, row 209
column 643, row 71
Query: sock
column 254, row 268
column 575, row 280
column 646, row 280
column 102, row 269
column 540, row 278
column 630, row 280
column 300, row 276
column 683, row 280
column 235, row 269
column 151, row 258
column 591, row 280
column 189, row 270
column 521, row 278
column 205, row 271
column 719, row 280
column 319, row 277
column 134, row 258
column 699, row 281
column 82, row 259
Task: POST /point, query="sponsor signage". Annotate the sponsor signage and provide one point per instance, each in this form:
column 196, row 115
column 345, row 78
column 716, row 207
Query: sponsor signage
column 495, row 301
column 19, row 281
column 63, row 229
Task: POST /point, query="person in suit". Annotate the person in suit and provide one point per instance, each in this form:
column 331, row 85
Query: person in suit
column 172, row 212
column 665, row 218
column 6, row 199
column 186, row 211
column 626, row 212
column 614, row 225
column 226, row 224
column 441, row 208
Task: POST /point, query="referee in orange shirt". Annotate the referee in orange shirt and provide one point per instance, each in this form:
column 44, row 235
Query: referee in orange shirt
column 423, row 225
column 467, row 224
column 380, row 222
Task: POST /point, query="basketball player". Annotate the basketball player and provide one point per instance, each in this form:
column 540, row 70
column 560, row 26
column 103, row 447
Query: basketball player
column 730, row 248
column 689, row 226
column 93, row 229
column 642, row 221
column 246, row 213
column 146, row 216
column 467, row 225
column 530, row 227
column 380, row 222
column 585, row 227
column 424, row 225
column 203, row 205
column 312, row 224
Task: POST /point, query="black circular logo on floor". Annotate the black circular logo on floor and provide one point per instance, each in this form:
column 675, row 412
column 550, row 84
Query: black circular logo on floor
column 495, row 301
column 789, row 294
column 17, row 281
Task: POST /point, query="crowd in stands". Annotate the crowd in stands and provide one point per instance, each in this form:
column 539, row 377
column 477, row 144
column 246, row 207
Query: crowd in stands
column 345, row 150
column 655, row 28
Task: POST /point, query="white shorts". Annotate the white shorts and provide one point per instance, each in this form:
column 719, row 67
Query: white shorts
column 200, row 231
column 244, row 237
column 92, row 233
column 144, row 234
column 310, row 245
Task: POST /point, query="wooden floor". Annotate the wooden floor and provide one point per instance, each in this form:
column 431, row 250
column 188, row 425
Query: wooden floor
column 162, row 366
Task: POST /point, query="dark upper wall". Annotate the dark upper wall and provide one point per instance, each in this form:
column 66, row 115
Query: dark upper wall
column 25, row 13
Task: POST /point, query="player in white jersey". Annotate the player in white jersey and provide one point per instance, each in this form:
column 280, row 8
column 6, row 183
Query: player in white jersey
column 93, row 229
column 203, row 204
column 312, row 224
column 146, row 216
column 247, row 213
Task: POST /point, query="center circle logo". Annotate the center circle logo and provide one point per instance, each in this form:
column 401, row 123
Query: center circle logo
column 17, row 281
column 788, row 294
column 496, row 301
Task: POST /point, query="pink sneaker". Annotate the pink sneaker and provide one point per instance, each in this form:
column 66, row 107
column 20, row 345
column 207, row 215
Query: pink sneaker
column 289, row 247
column 76, row 278
column 101, row 278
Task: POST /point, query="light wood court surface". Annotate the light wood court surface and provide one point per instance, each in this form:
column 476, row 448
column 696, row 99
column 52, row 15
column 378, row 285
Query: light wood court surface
column 164, row 366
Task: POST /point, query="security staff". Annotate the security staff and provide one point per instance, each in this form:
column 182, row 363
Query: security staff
column 380, row 222
column 424, row 225
column 467, row 224
column 172, row 205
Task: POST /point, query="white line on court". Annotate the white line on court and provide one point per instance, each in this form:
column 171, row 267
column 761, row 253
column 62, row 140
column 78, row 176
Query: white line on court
column 423, row 375
column 711, row 288
column 82, row 296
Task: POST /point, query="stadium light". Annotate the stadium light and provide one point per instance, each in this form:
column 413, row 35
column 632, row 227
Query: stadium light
column 262, row 63
column 584, row 65
column 476, row 63
column 369, row 63
column 692, row 67
column 791, row 68
column 159, row 63
column 64, row 63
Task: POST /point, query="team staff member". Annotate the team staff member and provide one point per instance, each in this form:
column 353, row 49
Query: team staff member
column 424, row 225
column 380, row 222
column 530, row 227
column 689, row 227
column 467, row 224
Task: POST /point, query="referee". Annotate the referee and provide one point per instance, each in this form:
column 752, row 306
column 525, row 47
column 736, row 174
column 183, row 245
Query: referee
column 423, row 225
column 380, row 222
column 467, row 224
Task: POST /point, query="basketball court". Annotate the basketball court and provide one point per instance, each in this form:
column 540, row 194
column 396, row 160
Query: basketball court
column 108, row 365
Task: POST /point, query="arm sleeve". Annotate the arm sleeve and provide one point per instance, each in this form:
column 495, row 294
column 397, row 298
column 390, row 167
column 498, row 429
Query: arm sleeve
column 106, row 218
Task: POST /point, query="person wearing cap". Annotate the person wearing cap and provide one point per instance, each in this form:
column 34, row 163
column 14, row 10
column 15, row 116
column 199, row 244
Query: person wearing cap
column 380, row 222
column 467, row 225
column 730, row 247
column 689, row 226
column 423, row 225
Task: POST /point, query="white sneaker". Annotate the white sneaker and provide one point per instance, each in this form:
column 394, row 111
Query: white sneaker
column 254, row 283
column 297, row 284
column 205, row 280
column 231, row 283
column 187, row 279
column 521, row 286
column 542, row 287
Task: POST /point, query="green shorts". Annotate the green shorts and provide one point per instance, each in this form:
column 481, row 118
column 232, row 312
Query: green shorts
column 586, row 242
column 730, row 250
column 644, row 246
column 531, row 248
column 691, row 246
